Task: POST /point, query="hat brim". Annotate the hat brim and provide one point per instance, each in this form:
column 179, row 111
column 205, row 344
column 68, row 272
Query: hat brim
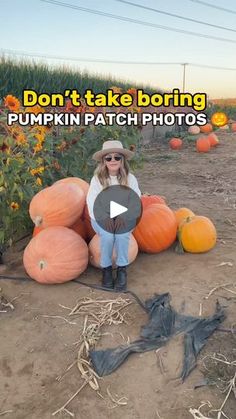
column 101, row 153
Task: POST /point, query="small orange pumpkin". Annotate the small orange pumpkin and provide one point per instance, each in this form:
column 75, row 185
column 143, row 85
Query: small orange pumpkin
column 95, row 251
column 175, row 143
column 57, row 205
column 82, row 183
column 197, row 234
column 183, row 213
column 56, row 255
column 203, row 145
column 206, row 129
column 156, row 231
column 214, row 141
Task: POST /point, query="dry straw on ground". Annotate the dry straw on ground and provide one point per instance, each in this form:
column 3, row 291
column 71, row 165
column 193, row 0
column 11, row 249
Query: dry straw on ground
column 97, row 313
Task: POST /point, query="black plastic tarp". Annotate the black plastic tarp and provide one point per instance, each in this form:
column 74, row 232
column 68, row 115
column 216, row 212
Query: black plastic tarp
column 164, row 323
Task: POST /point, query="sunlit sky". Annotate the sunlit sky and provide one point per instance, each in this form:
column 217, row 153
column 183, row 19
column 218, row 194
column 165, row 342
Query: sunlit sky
column 37, row 27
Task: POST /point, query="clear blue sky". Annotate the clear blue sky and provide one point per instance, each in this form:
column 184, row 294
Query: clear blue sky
column 42, row 28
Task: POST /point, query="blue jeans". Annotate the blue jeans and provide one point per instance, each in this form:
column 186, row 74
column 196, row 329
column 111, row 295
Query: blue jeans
column 110, row 240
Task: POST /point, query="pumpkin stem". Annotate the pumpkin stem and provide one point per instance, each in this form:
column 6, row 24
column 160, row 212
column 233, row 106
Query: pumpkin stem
column 41, row 264
column 38, row 220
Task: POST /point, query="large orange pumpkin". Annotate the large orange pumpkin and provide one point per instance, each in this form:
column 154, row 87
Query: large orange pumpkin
column 233, row 127
column 156, row 231
column 203, row 145
column 82, row 183
column 194, row 130
column 182, row 213
column 175, row 143
column 57, row 205
column 151, row 199
column 55, row 255
column 213, row 139
column 95, row 251
column 197, row 234
column 206, row 129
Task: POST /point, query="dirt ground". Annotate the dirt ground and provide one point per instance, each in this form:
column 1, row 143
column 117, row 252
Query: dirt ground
column 35, row 350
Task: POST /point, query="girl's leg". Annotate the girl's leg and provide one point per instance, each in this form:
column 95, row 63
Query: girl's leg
column 106, row 244
column 122, row 260
column 122, row 247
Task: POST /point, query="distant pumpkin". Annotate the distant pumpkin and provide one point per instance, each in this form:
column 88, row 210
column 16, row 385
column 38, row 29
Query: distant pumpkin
column 233, row 127
column 194, row 130
column 175, row 143
column 203, row 145
column 214, row 141
column 206, row 129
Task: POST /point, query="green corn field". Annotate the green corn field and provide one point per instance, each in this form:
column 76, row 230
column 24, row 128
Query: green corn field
column 16, row 75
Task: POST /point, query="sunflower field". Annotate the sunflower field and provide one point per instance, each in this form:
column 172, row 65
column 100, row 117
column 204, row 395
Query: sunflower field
column 33, row 157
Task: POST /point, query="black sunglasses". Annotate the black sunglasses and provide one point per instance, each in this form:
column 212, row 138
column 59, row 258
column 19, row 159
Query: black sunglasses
column 116, row 158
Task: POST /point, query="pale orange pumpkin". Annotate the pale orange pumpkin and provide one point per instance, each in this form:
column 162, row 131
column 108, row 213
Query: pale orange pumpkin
column 57, row 205
column 175, row 143
column 56, row 255
column 182, row 213
column 214, row 141
column 203, row 145
column 206, row 129
column 197, row 234
column 151, row 199
column 194, row 130
column 156, row 231
column 82, row 183
column 95, row 251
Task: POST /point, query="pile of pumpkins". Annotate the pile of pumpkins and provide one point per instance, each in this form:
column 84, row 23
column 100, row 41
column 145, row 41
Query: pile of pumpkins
column 203, row 143
column 64, row 241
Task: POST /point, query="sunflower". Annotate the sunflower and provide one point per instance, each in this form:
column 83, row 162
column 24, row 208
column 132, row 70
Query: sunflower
column 14, row 206
column 12, row 103
column 38, row 147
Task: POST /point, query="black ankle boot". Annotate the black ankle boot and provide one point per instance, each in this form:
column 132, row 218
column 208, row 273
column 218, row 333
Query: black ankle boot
column 107, row 279
column 121, row 278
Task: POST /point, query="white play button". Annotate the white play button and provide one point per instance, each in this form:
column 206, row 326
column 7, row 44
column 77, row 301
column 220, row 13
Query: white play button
column 116, row 209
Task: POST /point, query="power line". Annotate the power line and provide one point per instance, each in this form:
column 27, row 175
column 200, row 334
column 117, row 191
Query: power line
column 141, row 6
column 213, row 6
column 98, row 60
column 138, row 22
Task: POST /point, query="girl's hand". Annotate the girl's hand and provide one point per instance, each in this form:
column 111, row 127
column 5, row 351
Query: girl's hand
column 119, row 223
column 109, row 225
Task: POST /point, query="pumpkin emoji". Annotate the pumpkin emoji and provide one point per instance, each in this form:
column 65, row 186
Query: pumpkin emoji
column 219, row 119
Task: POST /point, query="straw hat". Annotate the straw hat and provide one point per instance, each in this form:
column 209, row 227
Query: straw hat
column 112, row 146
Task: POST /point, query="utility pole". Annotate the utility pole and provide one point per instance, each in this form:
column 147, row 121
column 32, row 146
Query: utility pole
column 184, row 75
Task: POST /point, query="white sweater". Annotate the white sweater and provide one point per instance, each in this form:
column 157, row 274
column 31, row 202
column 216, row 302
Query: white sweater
column 95, row 188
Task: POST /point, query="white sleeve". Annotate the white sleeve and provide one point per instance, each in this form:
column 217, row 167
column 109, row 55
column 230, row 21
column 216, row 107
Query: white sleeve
column 94, row 189
column 133, row 184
